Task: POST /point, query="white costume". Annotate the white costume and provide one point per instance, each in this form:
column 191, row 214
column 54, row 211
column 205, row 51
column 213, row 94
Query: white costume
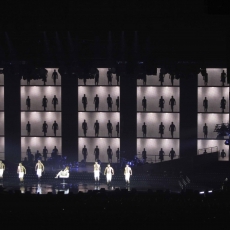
column 2, row 168
column 127, row 173
column 109, row 172
column 97, row 169
column 63, row 173
column 21, row 171
column 40, row 168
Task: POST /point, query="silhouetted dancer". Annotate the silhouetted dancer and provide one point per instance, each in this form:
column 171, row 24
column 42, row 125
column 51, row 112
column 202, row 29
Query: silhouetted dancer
column 28, row 153
column 223, row 78
column 44, row 78
column 84, row 79
column 96, row 153
column 44, row 102
column 205, row 104
column 54, row 102
column 84, row 102
column 96, row 78
column 110, row 154
column 161, row 103
column 54, row 153
column 118, row 103
column 28, row 103
column 84, row 127
column 110, row 128
column 45, row 153
column 37, row 156
column 118, row 129
column 144, row 104
column 84, row 153
column 118, row 155
column 44, row 128
column 161, row 129
column 144, row 129
column 205, row 78
column 117, row 78
column 223, row 104
column 55, row 128
column 110, row 103
column 96, row 128
column 172, row 129
column 144, row 79
column 172, row 153
column 96, row 102
column 161, row 78
column 223, row 154
column 144, row 155
column 172, row 77
column 161, row 155
column 55, row 76
column 172, row 102
column 28, row 128
column 205, row 152
column 205, row 130
column 110, row 77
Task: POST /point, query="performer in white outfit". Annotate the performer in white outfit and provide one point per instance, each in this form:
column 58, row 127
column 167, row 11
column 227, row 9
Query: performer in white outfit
column 21, row 171
column 63, row 173
column 127, row 173
column 39, row 167
column 109, row 172
column 97, row 169
column 2, row 168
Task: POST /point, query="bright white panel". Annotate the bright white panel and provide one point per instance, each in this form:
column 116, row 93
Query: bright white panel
column 153, row 146
column 153, row 120
column 49, row 79
column 2, row 97
column 2, row 148
column 214, row 96
column 153, row 94
column 37, row 119
column 38, row 143
column 102, row 144
column 202, row 144
column 214, row 77
column 2, row 123
column 102, row 118
column 154, row 80
column 102, row 92
column 211, row 120
column 36, row 95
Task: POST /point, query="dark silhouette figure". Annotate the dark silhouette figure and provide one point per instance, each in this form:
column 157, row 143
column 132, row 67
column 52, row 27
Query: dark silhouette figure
column 45, row 153
column 96, row 78
column 161, row 129
column 144, row 129
column 44, row 128
column 54, row 153
column 110, row 77
column 28, row 128
column 28, row 103
column 44, row 78
column 118, row 103
column 161, row 155
column 172, row 129
column 96, row 153
column 172, row 77
column 96, row 128
column 144, row 104
column 118, row 129
column 205, row 78
column 44, row 102
column 84, row 153
column 84, row 127
column 172, row 153
column 205, row 104
column 28, row 153
column 110, row 128
column 110, row 154
column 205, row 152
column 28, row 80
column 84, row 102
column 117, row 78
column 118, row 154
column 110, row 103
column 55, row 127
column 223, row 104
column 55, row 76
column 161, row 78
column 96, row 102
column 205, row 130
column 37, row 156
column 84, row 79
column 161, row 103
column 172, row 102
column 144, row 155
column 223, row 154
column 54, row 102
column 144, row 79
column 223, row 78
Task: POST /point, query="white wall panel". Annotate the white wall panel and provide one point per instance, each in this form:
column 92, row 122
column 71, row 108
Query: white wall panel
column 2, row 131
column 1, row 98
column 2, row 148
